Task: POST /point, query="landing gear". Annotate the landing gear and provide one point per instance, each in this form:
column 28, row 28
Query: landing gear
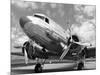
column 38, row 68
column 39, row 65
column 82, row 55
column 80, row 65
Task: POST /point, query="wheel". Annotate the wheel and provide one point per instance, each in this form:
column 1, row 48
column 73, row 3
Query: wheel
column 38, row 68
column 80, row 66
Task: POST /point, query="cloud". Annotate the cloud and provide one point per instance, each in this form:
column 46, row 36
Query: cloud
column 89, row 10
column 21, row 40
column 33, row 5
column 78, row 8
column 24, row 4
column 86, row 32
column 53, row 5
column 12, row 33
column 19, row 3
column 48, row 13
column 43, row 4
column 83, row 11
column 61, row 11
column 85, row 27
column 79, row 18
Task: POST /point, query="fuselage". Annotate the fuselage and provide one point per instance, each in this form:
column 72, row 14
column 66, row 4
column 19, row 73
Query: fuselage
column 44, row 31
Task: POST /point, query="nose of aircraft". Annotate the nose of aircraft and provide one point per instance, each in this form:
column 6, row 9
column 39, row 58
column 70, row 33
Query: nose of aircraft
column 23, row 21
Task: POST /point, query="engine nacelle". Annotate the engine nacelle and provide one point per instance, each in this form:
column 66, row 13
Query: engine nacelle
column 74, row 37
column 33, row 51
column 74, row 48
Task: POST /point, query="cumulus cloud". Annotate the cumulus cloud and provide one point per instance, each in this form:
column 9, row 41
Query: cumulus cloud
column 43, row 4
column 16, row 33
column 78, row 8
column 86, row 27
column 61, row 12
column 24, row 4
column 80, row 18
column 18, row 37
column 13, row 30
column 89, row 10
column 86, row 32
column 21, row 40
column 48, row 13
column 53, row 5
column 19, row 3
column 33, row 5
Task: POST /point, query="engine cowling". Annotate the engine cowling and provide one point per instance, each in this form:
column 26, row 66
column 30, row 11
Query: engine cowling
column 74, row 37
column 29, row 49
column 34, row 52
column 74, row 48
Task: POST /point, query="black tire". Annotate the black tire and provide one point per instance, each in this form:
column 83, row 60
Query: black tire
column 80, row 66
column 38, row 68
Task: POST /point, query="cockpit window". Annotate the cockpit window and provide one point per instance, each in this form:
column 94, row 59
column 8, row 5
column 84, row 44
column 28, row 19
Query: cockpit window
column 47, row 20
column 41, row 17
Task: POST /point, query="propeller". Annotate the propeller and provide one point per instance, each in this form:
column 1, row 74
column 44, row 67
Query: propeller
column 26, row 57
column 66, row 49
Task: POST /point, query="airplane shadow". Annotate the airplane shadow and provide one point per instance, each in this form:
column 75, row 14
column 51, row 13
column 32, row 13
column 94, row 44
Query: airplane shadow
column 30, row 71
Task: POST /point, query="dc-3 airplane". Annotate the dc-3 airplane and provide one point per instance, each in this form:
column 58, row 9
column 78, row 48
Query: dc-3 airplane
column 50, row 39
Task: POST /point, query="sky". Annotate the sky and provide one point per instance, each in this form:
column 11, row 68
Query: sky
column 82, row 18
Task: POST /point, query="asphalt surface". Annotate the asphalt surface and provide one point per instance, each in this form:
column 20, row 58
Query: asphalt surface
column 18, row 65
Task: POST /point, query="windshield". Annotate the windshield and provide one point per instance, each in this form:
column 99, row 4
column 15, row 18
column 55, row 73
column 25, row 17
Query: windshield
column 41, row 17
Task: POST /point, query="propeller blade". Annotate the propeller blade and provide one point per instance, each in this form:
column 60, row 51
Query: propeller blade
column 65, row 52
column 26, row 57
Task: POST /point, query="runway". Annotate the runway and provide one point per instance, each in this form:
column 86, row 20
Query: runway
column 18, row 65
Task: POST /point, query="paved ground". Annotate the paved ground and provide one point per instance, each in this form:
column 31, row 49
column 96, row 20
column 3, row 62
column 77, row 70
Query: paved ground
column 18, row 65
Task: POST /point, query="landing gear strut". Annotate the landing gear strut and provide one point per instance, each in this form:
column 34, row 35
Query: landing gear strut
column 39, row 65
column 38, row 68
column 80, row 65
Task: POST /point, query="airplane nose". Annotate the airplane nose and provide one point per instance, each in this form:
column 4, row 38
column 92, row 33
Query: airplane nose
column 23, row 21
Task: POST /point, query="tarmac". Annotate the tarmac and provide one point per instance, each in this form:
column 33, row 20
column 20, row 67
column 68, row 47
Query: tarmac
column 18, row 65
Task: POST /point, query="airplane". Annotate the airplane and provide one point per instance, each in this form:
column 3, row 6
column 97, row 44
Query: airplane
column 47, row 38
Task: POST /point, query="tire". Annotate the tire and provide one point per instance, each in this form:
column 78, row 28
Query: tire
column 80, row 66
column 38, row 68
